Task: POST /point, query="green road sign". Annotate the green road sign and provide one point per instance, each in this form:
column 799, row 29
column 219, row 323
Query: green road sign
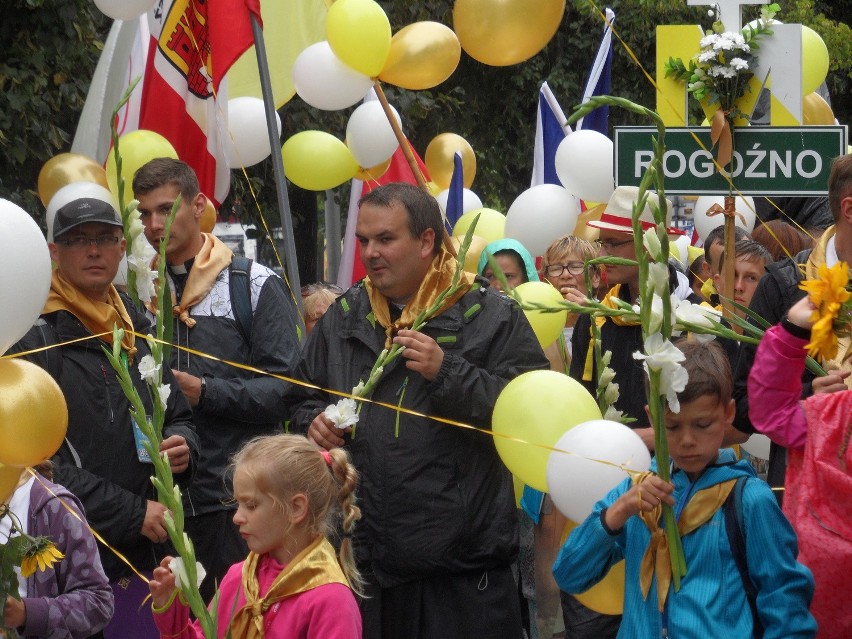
column 767, row 160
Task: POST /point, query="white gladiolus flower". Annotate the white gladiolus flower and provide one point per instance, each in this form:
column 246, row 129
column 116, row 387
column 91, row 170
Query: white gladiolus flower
column 606, row 376
column 178, row 569
column 164, row 390
column 651, row 242
column 344, row 414
column 148, row 368
column 658, row 275
column 611, row 394
column 663, row 356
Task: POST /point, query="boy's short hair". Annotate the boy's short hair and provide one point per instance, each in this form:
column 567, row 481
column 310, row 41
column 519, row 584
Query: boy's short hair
column 708, row 369
column 750, row 251
column 717, row 236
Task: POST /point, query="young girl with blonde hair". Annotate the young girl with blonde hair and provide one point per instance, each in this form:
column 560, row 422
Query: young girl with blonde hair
column 290, row 496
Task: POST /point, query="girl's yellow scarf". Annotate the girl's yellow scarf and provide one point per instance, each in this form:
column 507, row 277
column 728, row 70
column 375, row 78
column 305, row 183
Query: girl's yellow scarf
column 437, row 280
column 315, row 566
column 97, row 317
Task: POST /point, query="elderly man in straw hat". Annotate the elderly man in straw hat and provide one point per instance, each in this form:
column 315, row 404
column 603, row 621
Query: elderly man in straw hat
column 620, row 337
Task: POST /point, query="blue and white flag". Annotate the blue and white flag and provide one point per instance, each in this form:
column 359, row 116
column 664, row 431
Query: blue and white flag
column 455, row 197
column 600, row 81
column 551, row 127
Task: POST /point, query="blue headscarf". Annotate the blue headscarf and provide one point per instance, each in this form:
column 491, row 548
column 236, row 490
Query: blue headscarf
column 508, row 244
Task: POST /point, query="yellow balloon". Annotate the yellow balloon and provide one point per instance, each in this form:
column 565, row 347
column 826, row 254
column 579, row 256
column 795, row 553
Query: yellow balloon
column 546, row 326
column 537, row 408
column 471, row 259
column 136, row 148
column 65, row 168
column 504, row 32
column 359, row 33
column 606, row 596
column 9, row 476
column 815, row 110
column 33, row 414
column 439, row 159
column 208, row 218
column 316, row 161
column 422, row 55
column 491, row 225
column 373, row 173
column 814, row 60
column 433, row 188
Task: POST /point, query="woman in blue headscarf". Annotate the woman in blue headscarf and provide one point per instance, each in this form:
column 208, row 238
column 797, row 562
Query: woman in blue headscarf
column 513, row 259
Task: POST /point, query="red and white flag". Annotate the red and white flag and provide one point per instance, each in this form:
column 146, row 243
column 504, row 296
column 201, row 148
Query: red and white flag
column 193, row 44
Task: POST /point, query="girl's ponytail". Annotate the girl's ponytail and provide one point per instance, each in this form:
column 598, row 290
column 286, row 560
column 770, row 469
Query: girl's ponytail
column 346, row 478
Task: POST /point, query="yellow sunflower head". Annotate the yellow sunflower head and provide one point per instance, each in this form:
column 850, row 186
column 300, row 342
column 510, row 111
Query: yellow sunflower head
column 41, row 555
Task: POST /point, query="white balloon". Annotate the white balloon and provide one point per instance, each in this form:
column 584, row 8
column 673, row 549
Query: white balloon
column 248, row 138
column 757, row 446
column 124, row 9
column 470, row 200
column 324, row 82
column 584, row 164
column 369, row 134
column 704, row 223
column 541, row 214
column 576, row 481
column 75, row 191
column 25, row 262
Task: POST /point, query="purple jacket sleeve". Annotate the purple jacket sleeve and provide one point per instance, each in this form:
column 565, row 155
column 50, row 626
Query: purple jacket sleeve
column 775, row 386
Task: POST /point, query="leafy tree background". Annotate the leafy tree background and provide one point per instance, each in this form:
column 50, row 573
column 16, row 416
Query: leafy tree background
column 50, row 49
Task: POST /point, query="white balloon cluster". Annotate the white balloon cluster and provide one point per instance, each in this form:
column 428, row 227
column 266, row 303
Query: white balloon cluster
column 248, row 137
column 705, row 220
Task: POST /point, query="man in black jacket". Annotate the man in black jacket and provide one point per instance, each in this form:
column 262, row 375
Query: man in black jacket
column 102, row 460
column 439, row 531
column 237, row 313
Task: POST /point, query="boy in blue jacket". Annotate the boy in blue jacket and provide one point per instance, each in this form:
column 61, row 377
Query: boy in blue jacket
column 712, row 599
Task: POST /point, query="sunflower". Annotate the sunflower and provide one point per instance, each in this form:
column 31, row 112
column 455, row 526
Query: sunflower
column 42, row 555
column 828, row 294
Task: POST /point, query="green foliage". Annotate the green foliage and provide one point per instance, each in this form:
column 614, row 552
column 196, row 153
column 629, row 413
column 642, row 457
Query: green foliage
column 50, row 49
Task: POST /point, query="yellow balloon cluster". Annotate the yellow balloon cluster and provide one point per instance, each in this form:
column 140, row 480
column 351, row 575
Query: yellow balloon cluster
column 504, row 32
column 471, row 258
column 422, row 55
column 814, row 60
column 440, row 156
column 531, row 413
column 9, row 476
column 490, row 226
column 33, row 414
column 65, row 168
column 815, row 110
column 208, row 218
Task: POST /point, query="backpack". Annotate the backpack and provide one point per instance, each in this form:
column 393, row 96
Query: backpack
column 733, row 508
column 240, row 288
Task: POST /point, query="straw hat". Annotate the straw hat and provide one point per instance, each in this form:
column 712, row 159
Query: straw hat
column 618, row 214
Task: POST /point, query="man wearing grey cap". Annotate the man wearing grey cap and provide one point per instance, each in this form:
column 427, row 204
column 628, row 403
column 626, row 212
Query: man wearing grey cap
column 102, row 459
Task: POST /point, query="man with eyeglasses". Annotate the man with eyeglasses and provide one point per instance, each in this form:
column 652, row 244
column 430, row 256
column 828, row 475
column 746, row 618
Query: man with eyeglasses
column 103, row 460
column 620, row 338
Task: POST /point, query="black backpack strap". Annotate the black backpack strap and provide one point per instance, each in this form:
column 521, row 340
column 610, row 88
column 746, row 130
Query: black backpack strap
column 240, row 285
column 733, row 508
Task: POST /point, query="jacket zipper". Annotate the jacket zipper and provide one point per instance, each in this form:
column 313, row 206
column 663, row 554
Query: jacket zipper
column 106, row 394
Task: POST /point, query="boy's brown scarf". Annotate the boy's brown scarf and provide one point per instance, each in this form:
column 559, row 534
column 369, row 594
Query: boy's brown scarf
column 315, row 566
column 97, row 317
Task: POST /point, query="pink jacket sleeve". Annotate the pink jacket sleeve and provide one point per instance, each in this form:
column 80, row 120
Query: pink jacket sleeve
column 775, row 388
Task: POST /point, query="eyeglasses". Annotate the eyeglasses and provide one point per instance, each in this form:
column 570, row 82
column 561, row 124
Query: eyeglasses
column 608, row 245
column 83, row 241
column 574, row 268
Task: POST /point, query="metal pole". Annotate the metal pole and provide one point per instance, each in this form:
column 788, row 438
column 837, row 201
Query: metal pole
column 332, row 233
column 291, row 265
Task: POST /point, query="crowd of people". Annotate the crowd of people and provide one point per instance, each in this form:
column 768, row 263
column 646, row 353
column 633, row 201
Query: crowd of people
column 436, row 543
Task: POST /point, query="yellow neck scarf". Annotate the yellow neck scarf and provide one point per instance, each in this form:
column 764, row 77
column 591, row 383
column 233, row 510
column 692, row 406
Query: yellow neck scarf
column 213, row 257
column 97, row 317
column 657, row 561
column 437, row 280
column 315, row 566
column 842, row 360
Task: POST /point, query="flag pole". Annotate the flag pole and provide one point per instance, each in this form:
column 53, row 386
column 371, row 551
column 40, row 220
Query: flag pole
column 291, row 265
column 409, row 156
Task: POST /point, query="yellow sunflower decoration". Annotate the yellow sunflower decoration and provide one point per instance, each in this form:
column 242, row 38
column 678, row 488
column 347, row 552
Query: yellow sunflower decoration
column 829, row 295
column 41, row 555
